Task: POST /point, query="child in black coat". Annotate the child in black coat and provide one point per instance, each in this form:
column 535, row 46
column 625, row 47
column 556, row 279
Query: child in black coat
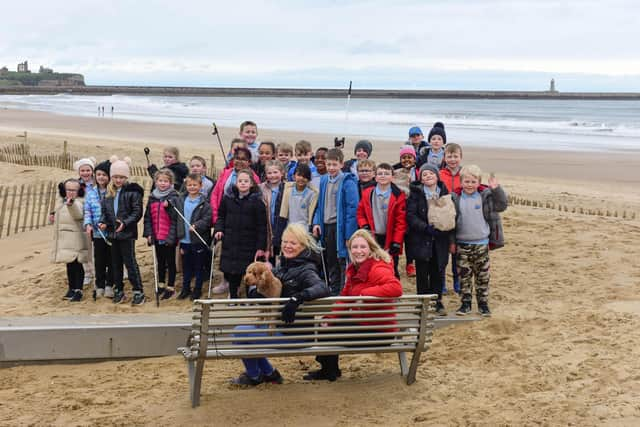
column 242, row 227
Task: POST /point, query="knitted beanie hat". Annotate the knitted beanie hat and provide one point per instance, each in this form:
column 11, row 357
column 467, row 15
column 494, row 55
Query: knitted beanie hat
column 88, row 161
column 365, row 145
column 104, row 167
column 429, row 167
column 119, row 167
column 407, row 149
column 438, row 129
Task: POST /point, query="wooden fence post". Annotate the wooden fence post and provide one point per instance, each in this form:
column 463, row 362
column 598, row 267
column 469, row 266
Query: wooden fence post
column 5, row 196
column 13, row 203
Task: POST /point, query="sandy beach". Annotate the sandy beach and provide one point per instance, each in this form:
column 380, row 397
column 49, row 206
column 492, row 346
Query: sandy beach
column 560, row 349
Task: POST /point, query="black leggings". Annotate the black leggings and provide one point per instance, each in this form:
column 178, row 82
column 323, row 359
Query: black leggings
column 429, row 277
column 124, row 252
column 234, row 283
column 102, row 263
column 75, row 275
column 166, row 256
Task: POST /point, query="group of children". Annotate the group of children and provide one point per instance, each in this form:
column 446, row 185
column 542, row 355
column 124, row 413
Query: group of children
column 262, row 189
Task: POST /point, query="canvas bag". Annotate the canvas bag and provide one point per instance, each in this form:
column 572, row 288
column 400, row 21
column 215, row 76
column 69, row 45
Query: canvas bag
column 442, row 213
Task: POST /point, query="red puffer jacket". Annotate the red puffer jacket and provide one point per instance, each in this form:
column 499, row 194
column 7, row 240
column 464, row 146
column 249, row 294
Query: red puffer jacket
column 373, row 278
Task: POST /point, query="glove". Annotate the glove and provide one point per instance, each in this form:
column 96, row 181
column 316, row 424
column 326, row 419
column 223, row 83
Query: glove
column 290, row 308
column 394, row 249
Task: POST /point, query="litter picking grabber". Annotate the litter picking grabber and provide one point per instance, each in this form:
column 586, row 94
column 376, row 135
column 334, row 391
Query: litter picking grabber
column 339, row 142
column 146, row 154
column 213, row 255
column 191, row 227
column 155, row 273
column 217, row 134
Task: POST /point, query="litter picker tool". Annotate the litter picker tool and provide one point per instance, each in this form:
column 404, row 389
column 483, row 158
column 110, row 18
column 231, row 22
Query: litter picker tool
column 146, row 154
column 217, row 134
column 155, row 273
column 339, row 142
column 190, row 226
column 213, row 255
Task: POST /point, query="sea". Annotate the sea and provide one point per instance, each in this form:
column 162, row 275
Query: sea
column 574, row 125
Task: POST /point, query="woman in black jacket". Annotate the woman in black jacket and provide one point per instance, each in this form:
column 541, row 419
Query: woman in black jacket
column 121, row 211
column 242, row 227
column 298, row 272
column 427, row 245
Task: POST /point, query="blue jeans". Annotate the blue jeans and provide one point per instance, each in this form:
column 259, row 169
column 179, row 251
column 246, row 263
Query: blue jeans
column 193, row 261
column 257, row 366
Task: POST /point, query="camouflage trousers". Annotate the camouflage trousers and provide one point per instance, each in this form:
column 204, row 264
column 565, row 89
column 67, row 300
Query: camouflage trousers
column 473, row 262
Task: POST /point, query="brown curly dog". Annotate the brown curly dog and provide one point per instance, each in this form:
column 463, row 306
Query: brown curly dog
column 259, row 274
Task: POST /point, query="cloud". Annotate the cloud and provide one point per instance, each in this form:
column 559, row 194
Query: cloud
column 255, row 39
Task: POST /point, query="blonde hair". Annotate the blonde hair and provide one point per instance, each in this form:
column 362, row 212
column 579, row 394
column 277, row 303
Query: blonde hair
column 112, row 190
column 164, row 172
column 173, row 150
column 366, row 164
column 472, row 170
column 300, row 233
column 284, row 147
column 274, row 164
column 376, row 251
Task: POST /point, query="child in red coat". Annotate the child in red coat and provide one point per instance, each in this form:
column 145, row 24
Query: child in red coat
column 383, row 211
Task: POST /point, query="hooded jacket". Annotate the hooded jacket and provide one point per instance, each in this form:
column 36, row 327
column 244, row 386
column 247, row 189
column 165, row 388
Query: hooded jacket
column 244, row 224
column 493, row 202
column 396, row 215
column 423, row 241
column 160, row 223
column 69, row 240
column 218, row 192
column 372, row 278
column 129, row 212
column 200, row 220
column 180, row 172
column 300, row 276
column 346, row 205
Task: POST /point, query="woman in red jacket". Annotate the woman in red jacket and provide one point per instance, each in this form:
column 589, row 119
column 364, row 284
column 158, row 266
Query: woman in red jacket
column 369, row 274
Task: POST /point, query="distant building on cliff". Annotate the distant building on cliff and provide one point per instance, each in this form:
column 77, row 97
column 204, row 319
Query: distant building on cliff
column 3, row 71
column 23, row 67
column 44, row 70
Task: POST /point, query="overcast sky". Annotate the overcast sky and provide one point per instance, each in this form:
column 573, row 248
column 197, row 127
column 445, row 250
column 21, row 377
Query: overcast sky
column 458, row 44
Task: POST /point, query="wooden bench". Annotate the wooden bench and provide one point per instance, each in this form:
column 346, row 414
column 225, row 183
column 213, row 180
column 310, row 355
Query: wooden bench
column 213, row 335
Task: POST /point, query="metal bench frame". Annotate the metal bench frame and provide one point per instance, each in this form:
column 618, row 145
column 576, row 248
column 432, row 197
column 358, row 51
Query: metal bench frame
column 213, row 335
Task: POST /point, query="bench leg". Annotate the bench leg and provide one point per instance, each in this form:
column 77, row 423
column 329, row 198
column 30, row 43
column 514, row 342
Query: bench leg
column 196, row 368
column 402, row 357
column 411, row 375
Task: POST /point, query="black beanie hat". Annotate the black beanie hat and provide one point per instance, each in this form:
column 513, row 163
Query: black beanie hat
column 303, row 170
column 429, row 167
column 438, row 129
column 104, row 167
column 365, row 145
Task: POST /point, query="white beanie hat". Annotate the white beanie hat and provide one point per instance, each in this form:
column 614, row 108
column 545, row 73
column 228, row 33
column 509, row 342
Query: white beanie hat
column 119, row 167
column 88, row 161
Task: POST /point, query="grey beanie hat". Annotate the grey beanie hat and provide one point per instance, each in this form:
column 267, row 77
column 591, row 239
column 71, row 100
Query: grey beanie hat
column 365, row 145
column 429, row 167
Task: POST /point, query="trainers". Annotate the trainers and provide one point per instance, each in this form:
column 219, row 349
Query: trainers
column 221, row 288
column 440, row 310
column 69, row 294
column 483, row 309
column 168, row 293
column 99, row 293
column 246, row 380
column 464, row 309
column 119, row 297
column 77, row 296
column 273, row 378
column 411, row 270
column 138, row 298
column 108, row 292
column 184, row 293
column 196, row 294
